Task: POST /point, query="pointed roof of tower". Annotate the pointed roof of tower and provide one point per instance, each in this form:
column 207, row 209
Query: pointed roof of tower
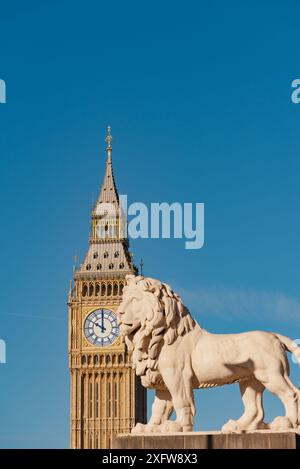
column 108, row 255
column 109, row 192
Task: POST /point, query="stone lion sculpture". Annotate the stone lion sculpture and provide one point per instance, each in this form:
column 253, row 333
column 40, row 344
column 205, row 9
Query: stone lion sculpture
column 174, row 355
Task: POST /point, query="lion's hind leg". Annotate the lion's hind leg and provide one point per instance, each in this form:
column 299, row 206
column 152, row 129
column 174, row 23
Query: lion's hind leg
column 253, row 416
column 280, row 385
column 297, row 391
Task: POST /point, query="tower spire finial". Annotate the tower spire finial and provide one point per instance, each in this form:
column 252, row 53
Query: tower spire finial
column 108, row 139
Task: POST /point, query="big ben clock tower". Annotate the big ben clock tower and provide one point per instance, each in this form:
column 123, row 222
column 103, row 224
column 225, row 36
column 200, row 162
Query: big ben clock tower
column 106, row 396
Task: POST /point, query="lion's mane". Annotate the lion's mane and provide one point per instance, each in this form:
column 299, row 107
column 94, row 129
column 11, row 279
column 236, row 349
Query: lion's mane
column 167, row 319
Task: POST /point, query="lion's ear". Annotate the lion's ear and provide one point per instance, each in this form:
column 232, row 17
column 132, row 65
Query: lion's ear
column 129, row 279
column 133, row 279
column 154, row 286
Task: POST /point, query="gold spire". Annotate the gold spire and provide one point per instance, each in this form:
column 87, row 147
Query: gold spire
column 108, row 140
column 108, row 148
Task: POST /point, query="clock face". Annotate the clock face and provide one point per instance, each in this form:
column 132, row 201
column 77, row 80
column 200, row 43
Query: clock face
column 101, row 327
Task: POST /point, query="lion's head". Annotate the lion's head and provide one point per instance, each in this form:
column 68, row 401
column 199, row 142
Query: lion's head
column 150, row 315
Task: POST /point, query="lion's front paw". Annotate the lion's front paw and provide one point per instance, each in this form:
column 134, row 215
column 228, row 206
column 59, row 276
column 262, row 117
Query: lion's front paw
column 231, row 426
column 145, row 428
column 138, row 428
column 169, row 426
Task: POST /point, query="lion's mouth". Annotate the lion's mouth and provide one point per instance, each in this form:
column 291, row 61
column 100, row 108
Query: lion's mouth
column 128, row 329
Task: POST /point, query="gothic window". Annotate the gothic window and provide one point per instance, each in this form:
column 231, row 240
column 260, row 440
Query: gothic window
column 105, row 255
column 96, row 398
column 121, row 288
column 101, row 231
column 103, row 397
column 95, row 255
column 117, row 254
column 90, row 398
column 122, row 265
column 99, row 267
column 88, row 267
column 113, row 359
column 115, row 289
column 103, row 289
column 91, row 440
column 111, row 266
column 112, row 232
column 96, row 360
column 83, row 395
column 97, row 292
column 109, row 289
column 91, row 289
column 84, row 290
column 83, row 359
column 120, row 359
column 115, row 398
column 109, row 398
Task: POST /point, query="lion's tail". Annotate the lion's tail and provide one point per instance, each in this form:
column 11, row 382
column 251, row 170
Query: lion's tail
column 290, row 346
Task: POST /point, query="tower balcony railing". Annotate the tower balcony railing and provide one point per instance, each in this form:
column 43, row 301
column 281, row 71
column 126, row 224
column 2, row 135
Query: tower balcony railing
column 100, row 275
column 107, row 239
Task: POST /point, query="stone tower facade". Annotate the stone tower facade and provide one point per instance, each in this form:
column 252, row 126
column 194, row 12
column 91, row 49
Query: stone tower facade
column 106, row 396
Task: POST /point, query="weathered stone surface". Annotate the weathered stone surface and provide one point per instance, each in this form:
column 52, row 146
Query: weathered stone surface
column 213, row 440
column 174, row 355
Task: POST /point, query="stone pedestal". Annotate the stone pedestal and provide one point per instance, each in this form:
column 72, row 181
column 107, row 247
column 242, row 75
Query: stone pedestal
column 209, row 440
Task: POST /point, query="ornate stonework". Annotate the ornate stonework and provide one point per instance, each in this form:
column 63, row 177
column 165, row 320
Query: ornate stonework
column 106, row 396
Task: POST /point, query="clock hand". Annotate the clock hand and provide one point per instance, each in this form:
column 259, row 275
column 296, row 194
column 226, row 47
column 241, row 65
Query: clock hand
column 103, row 329
column 102, row 318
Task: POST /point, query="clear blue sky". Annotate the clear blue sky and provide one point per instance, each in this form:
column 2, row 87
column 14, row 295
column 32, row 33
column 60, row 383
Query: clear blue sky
column 198, row 97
